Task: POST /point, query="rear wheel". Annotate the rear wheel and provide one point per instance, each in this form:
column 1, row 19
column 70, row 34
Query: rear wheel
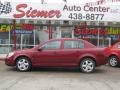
column 113, row 61
column 23, row 64
column 87, row 65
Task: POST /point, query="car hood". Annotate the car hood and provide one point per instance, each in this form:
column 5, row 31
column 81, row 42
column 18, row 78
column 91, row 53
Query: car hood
column 24, row 50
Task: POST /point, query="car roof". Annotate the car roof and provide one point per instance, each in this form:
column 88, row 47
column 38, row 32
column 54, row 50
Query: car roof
column 86, row 42
column 67, row 39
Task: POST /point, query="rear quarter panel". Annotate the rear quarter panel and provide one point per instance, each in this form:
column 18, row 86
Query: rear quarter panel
column 96, row 53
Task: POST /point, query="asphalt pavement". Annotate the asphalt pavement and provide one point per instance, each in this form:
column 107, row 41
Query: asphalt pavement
column 104, row 78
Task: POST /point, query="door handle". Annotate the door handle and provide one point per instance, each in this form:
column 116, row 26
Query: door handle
column 55, row 52
column 77, row 51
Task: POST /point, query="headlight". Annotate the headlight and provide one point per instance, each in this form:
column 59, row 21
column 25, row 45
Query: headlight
column 10, row 54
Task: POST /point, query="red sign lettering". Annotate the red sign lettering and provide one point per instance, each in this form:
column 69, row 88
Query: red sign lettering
column 33, row 13
column 90, row 31
column 29, row 27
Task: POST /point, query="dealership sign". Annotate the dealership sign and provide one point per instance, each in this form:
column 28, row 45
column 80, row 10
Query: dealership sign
column 20, row 28
column 15, row 10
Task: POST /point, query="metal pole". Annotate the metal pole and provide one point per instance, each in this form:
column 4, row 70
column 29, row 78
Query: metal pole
column 72, row 32
column 21, row 46
column 50, row 30
column 9, row 42
column 109, row 41
column 34, row 37
column 14, row 28
column 98, row 38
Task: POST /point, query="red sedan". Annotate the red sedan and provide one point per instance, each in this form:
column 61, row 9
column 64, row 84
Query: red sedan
column 113, row 54
column 65, row 52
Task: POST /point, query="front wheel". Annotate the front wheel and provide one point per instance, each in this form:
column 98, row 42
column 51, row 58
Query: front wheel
column 23, row 64
column 87, row 65
column 113, row 61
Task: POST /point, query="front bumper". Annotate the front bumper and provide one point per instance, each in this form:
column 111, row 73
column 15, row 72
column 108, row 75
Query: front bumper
column 10, row 61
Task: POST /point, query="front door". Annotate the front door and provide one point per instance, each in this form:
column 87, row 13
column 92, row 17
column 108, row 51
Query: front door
column 49, row 55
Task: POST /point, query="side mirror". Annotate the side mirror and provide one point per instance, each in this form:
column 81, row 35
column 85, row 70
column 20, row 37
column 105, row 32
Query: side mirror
column 119, row 46
column 41, row 48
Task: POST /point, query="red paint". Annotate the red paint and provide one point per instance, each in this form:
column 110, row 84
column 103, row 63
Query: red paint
column 34, row 13
column 60, row 57
column 113, row 50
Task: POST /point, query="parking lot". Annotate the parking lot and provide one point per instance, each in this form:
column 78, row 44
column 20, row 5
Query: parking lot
column 104, row 78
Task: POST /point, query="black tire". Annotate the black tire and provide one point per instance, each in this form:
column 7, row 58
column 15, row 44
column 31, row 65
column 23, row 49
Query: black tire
column 113, row 61
column 87, row 65
column 23, row 64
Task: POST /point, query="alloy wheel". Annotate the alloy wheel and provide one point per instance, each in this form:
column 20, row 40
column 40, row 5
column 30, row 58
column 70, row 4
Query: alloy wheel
column 23, row 64
column 113, row 61
column 87, row 65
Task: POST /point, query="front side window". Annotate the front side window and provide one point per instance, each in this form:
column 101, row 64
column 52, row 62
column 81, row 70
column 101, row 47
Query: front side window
column 52, row 45
column 73, row 44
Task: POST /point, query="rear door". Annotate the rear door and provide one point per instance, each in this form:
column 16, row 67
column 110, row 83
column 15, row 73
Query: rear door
column 71, row 51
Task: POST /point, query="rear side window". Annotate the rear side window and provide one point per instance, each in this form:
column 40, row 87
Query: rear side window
column 73, row 44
